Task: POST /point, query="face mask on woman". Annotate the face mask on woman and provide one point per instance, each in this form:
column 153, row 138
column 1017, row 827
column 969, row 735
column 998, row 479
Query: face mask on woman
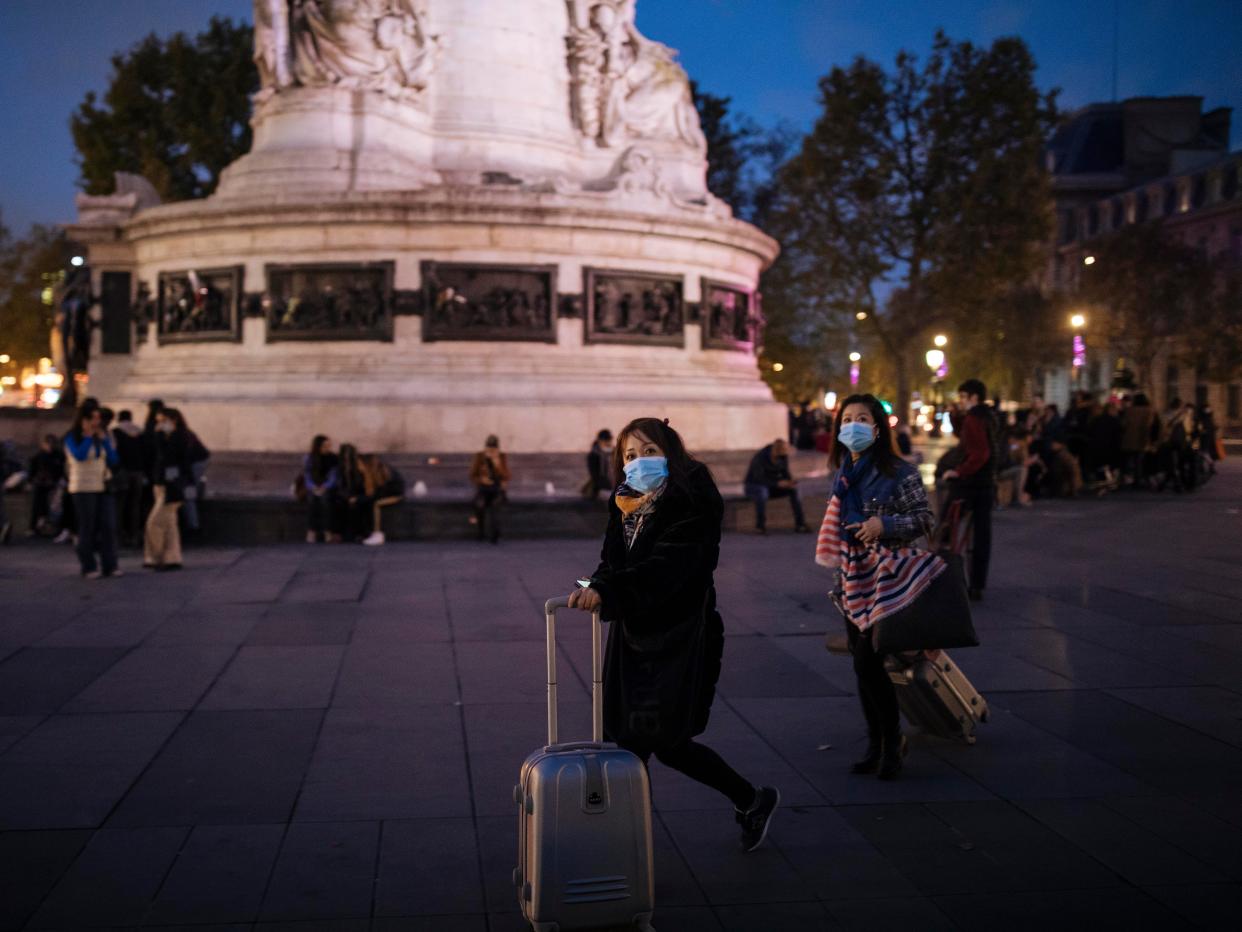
column 856, row 436
column 645, row 473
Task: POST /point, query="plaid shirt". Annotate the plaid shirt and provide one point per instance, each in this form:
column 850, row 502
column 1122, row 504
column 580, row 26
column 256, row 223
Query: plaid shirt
column 907, row 515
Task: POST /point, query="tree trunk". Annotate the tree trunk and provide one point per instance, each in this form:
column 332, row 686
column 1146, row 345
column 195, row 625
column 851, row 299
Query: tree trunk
column 901, row 404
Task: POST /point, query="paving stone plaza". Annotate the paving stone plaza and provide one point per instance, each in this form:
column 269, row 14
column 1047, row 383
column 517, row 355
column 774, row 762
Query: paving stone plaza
column 327, row 738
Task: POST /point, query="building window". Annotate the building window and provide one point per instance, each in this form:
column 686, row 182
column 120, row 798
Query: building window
column 1171, row 378
column 1198, row 191
column 1068, row 226
column 1234, row 402
column 1229, row 184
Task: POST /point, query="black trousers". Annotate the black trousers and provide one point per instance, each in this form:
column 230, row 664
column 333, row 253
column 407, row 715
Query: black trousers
column 96, row 513
column 487, row 503
column 701, row 763
column 979, row 502
column 876, row 691
column 320, row 513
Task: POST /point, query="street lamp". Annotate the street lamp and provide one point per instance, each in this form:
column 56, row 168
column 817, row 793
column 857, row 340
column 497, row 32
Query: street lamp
column 777, row 366
column 935, row 359
column 1078, row 321
column 861, row 315
column 941, row 340
column 855, row 369
column 77, row 262
column 4, row 358
column 1088, row 260
column 855, row 357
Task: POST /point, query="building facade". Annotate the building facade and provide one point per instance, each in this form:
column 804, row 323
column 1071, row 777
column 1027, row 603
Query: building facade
column 1139, row 161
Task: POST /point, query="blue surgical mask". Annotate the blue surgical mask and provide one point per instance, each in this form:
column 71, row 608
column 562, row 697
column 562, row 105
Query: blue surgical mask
column 646, row 473
column 856, row 436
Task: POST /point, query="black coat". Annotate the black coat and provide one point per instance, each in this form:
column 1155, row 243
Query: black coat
column 767, row 470
column 171, row 467
column 666, row 639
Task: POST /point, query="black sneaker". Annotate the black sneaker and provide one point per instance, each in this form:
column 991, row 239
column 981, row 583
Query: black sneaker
column 757, row 818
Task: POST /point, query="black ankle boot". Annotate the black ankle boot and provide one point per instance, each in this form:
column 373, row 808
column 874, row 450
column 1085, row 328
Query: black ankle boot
column 891, row 755
column 870, row 761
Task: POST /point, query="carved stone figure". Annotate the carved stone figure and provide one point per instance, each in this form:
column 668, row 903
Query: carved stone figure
column 625, row 86
column 376, row 45
column 488, row 303
column 271, row 46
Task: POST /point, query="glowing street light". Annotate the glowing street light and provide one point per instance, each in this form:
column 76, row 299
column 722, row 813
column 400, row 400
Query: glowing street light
column 1078, row 321
column 77, row 262
column 855, row 357
column 4, row 358
column 1088, row 260
column 940, row 340
column 861, row 315
column 935, row 359
column 778, row 366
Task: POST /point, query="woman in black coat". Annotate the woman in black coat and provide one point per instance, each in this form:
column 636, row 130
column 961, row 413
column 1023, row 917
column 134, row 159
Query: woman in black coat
column 654, row 582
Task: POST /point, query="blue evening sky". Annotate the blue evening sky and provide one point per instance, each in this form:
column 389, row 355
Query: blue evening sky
column 765, row 54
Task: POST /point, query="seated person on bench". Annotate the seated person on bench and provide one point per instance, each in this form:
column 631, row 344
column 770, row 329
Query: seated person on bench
column 382, row 486
column 769, row 477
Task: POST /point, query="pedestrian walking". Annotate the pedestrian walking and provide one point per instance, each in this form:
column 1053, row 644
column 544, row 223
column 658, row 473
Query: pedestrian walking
column 90, row 454
column 489, row 473
column 599, row 466
column 381, row 486
column 320, row 474
column 655, row 583
column 973, row 481
column 768, row 477
column 170, row 474
column 877, row 500
column 129, row 477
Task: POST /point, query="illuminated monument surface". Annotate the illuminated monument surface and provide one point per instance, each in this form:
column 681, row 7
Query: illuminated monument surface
column 457, row 217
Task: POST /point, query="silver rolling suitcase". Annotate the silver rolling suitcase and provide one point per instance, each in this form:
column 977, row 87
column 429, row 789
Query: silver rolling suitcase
column 936, row 696
column 584, row 821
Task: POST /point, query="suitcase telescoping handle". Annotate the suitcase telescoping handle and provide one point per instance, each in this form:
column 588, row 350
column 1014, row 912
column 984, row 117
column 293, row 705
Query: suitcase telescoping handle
column 597, row 670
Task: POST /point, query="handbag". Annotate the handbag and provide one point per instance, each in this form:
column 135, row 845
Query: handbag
column 938, row 618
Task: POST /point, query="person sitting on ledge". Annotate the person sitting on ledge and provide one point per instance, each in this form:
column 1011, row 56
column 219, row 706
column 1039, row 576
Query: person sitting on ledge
column 489, row 473
column 320, row 473
column 769, row 477
column 381, row 486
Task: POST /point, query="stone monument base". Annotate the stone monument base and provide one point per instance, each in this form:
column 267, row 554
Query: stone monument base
column 430, row 364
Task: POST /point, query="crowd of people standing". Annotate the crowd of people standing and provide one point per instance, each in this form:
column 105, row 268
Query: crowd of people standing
column 108, row 484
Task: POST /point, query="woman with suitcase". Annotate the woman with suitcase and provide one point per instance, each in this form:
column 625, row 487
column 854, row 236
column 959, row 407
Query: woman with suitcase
column 877, row 499
column 655, row 583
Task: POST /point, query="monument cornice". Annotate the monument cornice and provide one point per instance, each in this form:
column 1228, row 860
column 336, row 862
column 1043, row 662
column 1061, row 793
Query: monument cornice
column 465, row 205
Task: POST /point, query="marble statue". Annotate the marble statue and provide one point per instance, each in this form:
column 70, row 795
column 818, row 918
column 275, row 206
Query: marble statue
column 375, row 45
column 625, row 86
